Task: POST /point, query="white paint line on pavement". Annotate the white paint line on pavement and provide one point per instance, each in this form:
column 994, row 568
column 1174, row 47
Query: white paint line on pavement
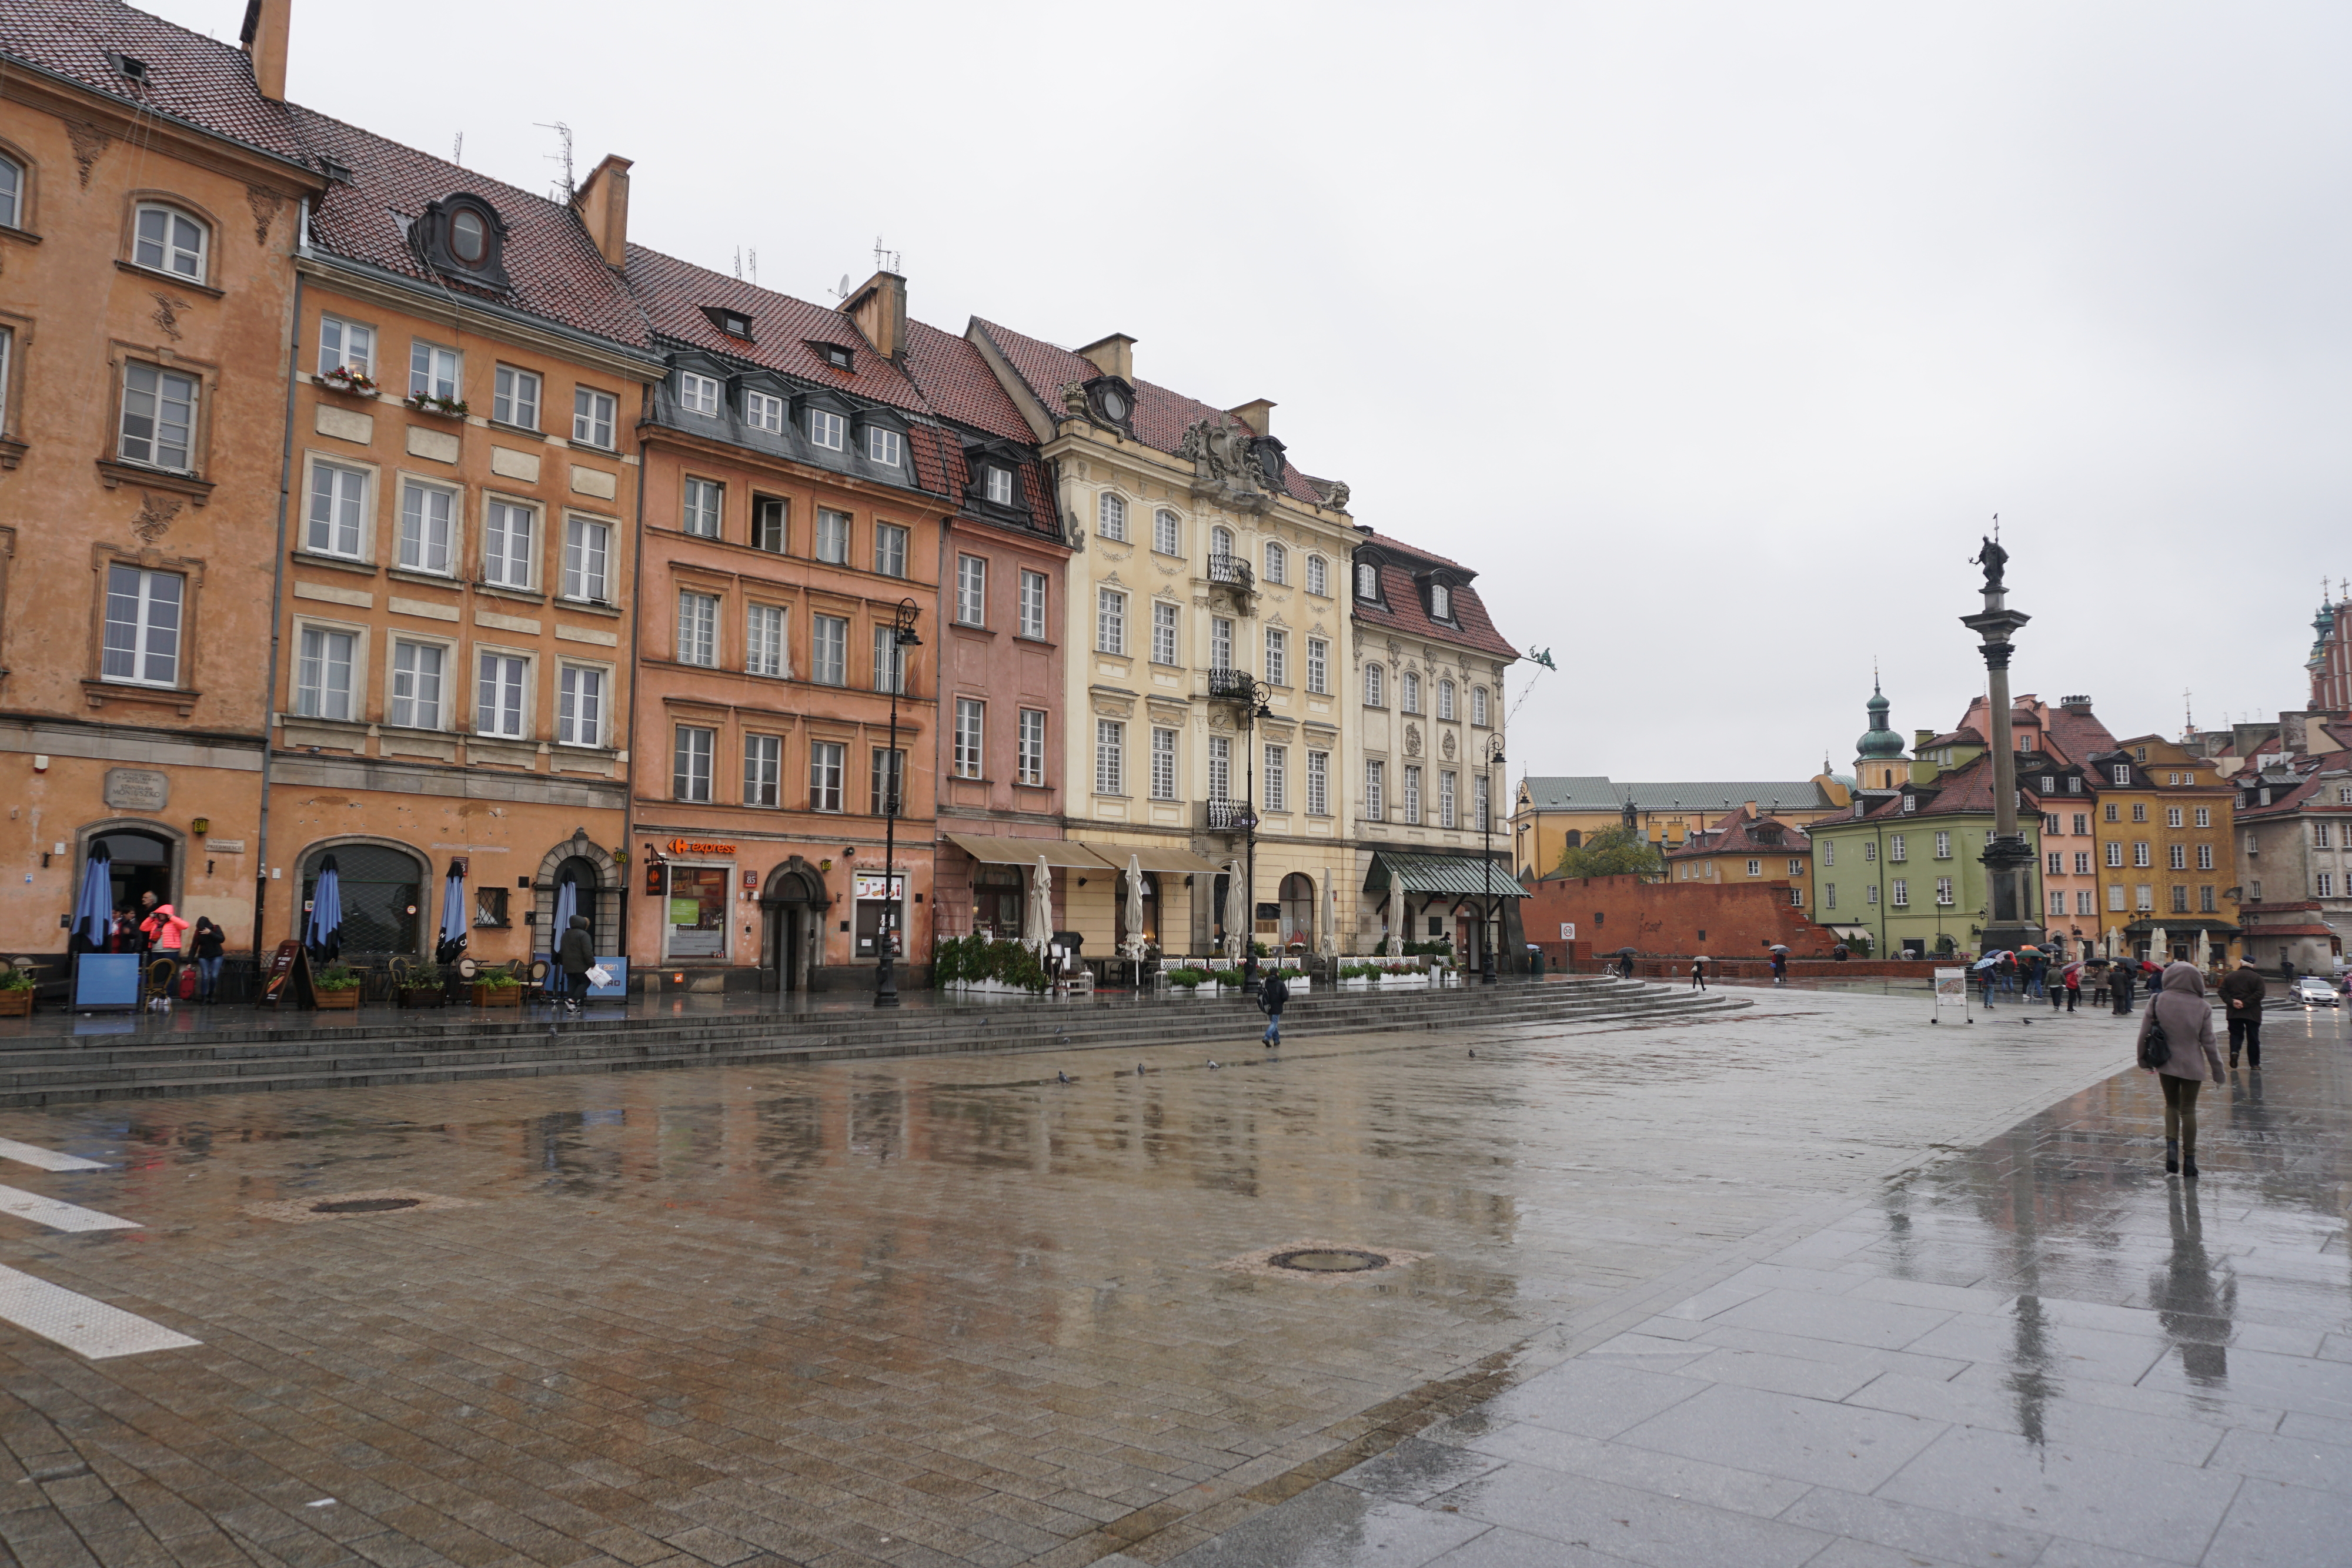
column 82, row 1326
column 57, row 1215
column 46, row 1159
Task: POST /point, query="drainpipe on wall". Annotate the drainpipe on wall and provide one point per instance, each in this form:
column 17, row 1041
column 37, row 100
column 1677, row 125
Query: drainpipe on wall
column 277, row 598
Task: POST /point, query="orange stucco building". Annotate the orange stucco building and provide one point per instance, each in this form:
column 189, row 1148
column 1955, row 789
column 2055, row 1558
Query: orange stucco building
column 145, row 305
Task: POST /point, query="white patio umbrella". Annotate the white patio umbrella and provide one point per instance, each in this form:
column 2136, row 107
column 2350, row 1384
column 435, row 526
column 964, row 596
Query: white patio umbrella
column 1396, row 922
column 1037, row 930
column 1329, row 945
column 1236, row 912
column 1133, row 945
column 2160, row 949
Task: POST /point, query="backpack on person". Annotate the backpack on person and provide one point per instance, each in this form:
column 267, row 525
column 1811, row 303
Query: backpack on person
column 1272, row 994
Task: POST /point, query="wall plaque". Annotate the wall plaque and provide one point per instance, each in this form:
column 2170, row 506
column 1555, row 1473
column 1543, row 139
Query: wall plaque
column 137, row 788
column 225, row 846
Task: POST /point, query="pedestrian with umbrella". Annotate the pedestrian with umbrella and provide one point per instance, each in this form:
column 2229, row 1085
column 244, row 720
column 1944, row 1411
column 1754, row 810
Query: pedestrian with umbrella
column 2074, row 985
column 1779, row 962
column 1698, row 973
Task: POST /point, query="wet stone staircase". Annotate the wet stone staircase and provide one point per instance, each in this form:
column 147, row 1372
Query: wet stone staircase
column 55, row 1069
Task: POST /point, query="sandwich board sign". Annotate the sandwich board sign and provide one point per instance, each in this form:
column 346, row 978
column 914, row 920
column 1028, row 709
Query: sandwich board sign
column 1951, row 996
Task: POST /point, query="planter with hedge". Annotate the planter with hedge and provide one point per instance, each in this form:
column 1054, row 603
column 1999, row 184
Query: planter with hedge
column 336, row 988
column 497, row 988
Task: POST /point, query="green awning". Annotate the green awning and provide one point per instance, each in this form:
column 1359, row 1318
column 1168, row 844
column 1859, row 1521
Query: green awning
column 1469, row 875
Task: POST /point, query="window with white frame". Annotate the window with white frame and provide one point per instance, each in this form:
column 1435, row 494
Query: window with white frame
column 1164, row 764
column 1163, row 633
column 1829, row 851
column 829, row 651
column 1319, row 576
column 1278, row 656
column 827, row 762
column 508, row 532
column 1440, row 602
column 417, row 673
column 764, row 410
column 433, row 371
column 1408, row 794
column 1318, row 783
column 2204, row 857
column 2139, row 811
column 698, row 628
column 1221, row 768
column 763, row 641
column 159, row 417
column 1032, row 605
column 2144, row 898
column 2172, row 817
column 2084, row 901
column 7, row 350
column 322, row 673
column 764, row 769
column 427, row 527
column 1829, row 894
column 1870, row 892
column 1166, row 533
column 1110, row 621
column 12, row 193
column 1110, row 756
column 1110, row 517
column 592, row 413
column 1277, row 563
column 1755, row 868
column 691, row 751
column 769, row 528
column 1869, row 851
column 1368, row 581
column 1221, row 642
column 2321, row 836
column 500, row 684
column 1372, row 685
column 338, row 511
column 997, row 485
column 698, row 393
column 345, row 346
column 1897, row 848
column 1944, row 895
column 705, row 508
column 1478, row 704
column 832, row 535
column 884, row 447
column 886, row 783
column 1445, row 699
column 143, row 626
column 970, row 727
column 1031, row 746
column 971, row 591
column 826, row 429
column 2140, row 854
column 1446, row 808
column 587, row 559
column 2176, row 856
column 2122, row 773
column 1274, row 780
column 580, row 705
column 890, row 549
column 2082, row 862
column 1221, row 543
column 2114, row 897
column 2204, row 816
column 2323, row 883
column 1319, row 666
column 514, row 398
column 1409, row 691
column 1376, row 806
column 889, row 660
column 166, row 239
column 2115, row 854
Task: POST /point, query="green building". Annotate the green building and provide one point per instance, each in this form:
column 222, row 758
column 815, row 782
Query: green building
column 1904, row 869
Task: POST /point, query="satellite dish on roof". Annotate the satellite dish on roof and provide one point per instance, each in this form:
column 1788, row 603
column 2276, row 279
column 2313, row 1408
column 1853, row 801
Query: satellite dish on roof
column 843, row 290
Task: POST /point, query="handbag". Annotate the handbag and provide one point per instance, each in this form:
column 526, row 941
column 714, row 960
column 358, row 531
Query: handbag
column 600, row 975
column 2155, row 1050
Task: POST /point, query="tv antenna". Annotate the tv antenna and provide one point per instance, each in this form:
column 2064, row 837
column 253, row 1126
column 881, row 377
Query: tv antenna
column 562, row 131
column 457, row 151
column 738, row 264
column 884, row 260
column 754, row 255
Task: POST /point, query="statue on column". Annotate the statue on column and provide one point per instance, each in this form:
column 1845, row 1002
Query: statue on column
column 1994, row 559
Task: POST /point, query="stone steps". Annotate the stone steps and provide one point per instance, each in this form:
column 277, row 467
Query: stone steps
column 40, row 1073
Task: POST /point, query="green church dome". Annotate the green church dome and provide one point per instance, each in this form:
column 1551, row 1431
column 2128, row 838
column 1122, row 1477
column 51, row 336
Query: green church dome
column 1879, row 744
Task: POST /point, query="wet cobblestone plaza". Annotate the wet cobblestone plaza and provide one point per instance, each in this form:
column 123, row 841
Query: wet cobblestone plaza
column 1815, row 1282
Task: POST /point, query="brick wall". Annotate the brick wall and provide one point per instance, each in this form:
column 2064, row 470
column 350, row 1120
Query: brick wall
column 1723, row 921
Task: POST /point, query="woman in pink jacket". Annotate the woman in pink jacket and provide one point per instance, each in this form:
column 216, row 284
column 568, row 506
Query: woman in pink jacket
column 2193, row 1062
column 166, row 932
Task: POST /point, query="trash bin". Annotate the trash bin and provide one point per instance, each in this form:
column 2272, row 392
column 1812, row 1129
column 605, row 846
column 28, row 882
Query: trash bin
column 1534, row 960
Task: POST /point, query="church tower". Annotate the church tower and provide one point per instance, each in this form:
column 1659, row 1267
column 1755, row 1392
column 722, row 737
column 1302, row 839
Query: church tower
column 1878, row 759
column 2330, row 664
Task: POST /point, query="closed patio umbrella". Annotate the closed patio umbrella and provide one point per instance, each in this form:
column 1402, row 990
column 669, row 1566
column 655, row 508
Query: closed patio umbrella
column 1329, row 945
column 322, row 934
column 1134, row 943
column 453, row 919
column 1037, row 929
column 1236, row 912
column 93, row 915
column 567, row 905
column 1396, row 926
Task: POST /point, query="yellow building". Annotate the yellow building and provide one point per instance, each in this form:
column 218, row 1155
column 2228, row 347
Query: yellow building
column 1747, row 847
column 2167, row 862
column 1551, row 816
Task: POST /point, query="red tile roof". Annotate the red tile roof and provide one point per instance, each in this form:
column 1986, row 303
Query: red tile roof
column 191, row 78
column 673, row 293
column 1402, row 608
column 1967, row 788
column 1736, row 834
column 957, row 384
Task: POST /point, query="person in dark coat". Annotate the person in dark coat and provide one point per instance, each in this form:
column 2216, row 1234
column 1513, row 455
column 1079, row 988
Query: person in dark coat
column 576, row 950
column 210, row 939
column 2119, row 984
column 1698, row 974
column 2241, row 1001
column 1271, row 996
column 2193, row 1060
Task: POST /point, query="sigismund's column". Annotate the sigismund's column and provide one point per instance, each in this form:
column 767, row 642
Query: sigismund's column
column 2009, row 923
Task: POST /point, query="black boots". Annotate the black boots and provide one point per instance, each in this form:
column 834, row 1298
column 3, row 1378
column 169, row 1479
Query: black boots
column 2189, row 1167
column 2172, row 1156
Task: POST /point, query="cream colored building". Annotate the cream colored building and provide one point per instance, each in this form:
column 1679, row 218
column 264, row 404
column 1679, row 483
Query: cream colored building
column 1207, row 630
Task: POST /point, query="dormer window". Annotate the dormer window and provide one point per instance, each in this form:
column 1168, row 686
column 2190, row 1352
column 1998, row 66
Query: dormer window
column 463, row 233
column 697, row 393
column 1112, row 399
column 765, row 411
column 826, row 429
column 884, row 447
column 734, row 323
column 1910, row 802
column 833, row 354
column 130, row 68
column 1440, row 602
column 338, row 172
column 1368, row 581
column 998, row 485
column 469, row 238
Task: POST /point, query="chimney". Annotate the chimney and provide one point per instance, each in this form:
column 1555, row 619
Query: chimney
column 1113, row 356
column 602, row 203
column 2079, row 706
column 880, row 308
column 1921, row 737
column 264, row 37
column 1257, row 416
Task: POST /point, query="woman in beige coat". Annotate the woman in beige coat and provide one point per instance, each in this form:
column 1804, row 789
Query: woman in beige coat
column 2187, row 1019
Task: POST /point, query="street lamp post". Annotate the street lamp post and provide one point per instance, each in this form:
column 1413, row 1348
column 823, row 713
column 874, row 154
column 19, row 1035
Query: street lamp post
column 894, row 783
column 1487, row 937
column 1255, row 698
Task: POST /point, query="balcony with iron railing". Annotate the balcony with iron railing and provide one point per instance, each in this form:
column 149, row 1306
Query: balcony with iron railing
column 1232, row 687
column 1225, row 817
column 1232, row 569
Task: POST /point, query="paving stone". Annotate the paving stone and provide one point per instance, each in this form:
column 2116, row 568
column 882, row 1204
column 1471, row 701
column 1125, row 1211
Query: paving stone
column 1628, row 1523
column 1333, row 1524
column 1815, row 1440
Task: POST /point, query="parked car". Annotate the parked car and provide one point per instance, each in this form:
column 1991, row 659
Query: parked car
column 2313, row 992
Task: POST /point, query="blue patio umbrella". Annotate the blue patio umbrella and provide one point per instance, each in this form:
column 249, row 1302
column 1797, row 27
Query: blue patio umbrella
column 93, row 916
column 567, row 905
column 323, row 933
column 453, row 919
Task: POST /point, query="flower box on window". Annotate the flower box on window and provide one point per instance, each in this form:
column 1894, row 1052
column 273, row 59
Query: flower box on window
column 426, row 403
column 346, row 379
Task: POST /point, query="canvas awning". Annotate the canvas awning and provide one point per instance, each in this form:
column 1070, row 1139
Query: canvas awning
column 1470, row 875
column 2179, row 926
column 1058, row 853
column 1165, row 858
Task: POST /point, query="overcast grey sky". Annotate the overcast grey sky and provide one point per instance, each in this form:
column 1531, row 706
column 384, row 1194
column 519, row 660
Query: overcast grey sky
column 1711, row 335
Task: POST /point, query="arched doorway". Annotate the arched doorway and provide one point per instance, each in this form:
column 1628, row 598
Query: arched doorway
column 1297, row 895
column 140, row 863
column 596, row 893
column 793, row 903
column 382, row 887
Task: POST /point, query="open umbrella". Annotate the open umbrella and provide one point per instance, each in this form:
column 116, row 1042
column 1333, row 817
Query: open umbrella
column 1776, row 947
column 453, row 918
column 322, row 934
column 93, row 913
column 1236, row 912
column 1037, row 928
column 567, row 905
column 1989, row 959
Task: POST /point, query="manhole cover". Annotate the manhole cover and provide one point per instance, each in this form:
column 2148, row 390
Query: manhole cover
column 365, row 1205
column 1328, row 1261
column 319, row 1208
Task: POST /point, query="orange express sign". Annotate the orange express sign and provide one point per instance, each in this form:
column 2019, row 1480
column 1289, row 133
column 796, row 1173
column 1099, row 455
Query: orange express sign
column 697, row 847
